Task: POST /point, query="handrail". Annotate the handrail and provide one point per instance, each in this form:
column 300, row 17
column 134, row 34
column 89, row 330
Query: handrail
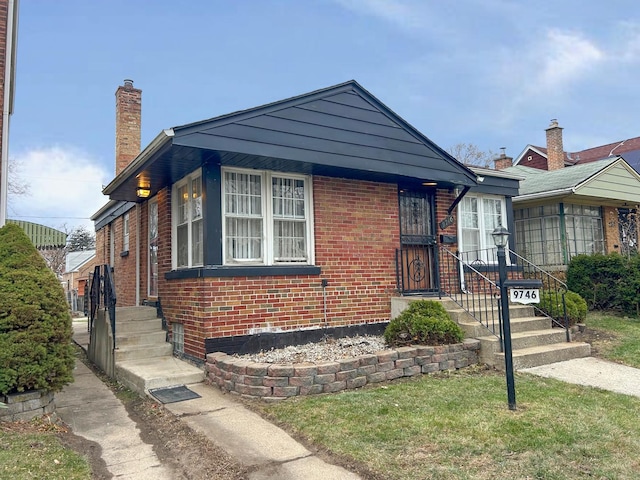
column 551, row 285
column 110, row 299
column 103, row 294
column 476, row 293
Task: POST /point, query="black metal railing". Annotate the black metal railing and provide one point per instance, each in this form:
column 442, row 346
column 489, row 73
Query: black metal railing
column 471, row 289
column 552, row 292
column 103, row 295
column 476, row 268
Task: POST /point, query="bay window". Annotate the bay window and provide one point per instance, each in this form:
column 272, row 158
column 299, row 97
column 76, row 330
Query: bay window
column 188, row 225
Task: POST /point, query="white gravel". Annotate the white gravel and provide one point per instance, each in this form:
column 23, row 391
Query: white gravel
column 326, row 350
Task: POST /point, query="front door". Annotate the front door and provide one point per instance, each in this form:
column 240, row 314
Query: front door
column 416, row 259
column 153, row 248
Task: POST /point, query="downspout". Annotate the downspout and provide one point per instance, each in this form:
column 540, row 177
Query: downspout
column 138, row 220
column 6, row 112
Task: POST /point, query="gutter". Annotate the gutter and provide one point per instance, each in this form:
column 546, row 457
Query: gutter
column 551, row 193
column 7, row 108
column 156, row 144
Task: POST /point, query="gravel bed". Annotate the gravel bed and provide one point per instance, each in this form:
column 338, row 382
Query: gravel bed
column 326, row 350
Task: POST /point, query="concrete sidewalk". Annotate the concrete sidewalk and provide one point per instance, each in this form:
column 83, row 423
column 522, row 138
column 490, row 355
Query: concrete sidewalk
column 93, row 412
column 593, row 372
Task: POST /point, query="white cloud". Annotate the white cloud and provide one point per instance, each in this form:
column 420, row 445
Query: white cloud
column 563, row 58
column 65, row 187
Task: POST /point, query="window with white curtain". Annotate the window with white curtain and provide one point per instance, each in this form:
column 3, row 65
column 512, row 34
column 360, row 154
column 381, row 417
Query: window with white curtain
column 479, row 215
column 187, row 224
column 267, row 217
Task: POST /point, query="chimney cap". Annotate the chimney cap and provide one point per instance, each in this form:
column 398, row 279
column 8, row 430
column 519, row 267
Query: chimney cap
column 503, row 151
column 554, row 123
column 128, row 82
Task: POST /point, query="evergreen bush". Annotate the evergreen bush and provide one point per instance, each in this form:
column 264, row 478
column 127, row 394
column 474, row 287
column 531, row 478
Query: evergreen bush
column 424, row 322
column 35, row 324
column 606, row 282
column 551, row 304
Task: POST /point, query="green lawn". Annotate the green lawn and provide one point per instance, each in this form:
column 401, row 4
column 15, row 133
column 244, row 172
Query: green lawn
column 619, row 337
column 457, row 425
column 33, row 451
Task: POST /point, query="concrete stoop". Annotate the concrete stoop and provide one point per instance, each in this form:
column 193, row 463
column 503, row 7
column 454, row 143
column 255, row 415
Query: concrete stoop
column 534, row 342
column 143, row 358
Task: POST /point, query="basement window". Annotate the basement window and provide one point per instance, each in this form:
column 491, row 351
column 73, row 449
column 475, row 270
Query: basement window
column 177, row 330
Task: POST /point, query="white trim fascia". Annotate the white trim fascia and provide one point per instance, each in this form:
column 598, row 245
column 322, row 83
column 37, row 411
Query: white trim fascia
column 550, row 193
column 156, row 144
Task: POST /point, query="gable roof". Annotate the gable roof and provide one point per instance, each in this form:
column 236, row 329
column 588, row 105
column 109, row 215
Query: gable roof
column 617, row 181
column 75, row 260
column 341, row 130
column 624, row 148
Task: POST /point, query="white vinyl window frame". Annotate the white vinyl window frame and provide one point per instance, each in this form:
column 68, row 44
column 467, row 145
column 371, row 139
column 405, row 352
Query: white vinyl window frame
column 262, row 215
column 125, row 232
column 480, row 221
column 187, row 225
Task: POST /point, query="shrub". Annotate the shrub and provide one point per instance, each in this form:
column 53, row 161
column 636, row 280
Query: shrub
column 606, row 282
column 35, row 325
column 424, row 322
column 551, row 304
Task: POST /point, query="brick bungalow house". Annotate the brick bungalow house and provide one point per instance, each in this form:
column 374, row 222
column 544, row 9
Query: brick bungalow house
column 573, row 203
column 303, row 214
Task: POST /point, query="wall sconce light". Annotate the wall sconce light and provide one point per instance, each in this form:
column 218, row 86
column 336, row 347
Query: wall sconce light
column 143, row 192
column 429, row 184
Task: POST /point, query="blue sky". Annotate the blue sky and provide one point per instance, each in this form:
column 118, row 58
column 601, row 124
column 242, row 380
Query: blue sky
column 491, row 73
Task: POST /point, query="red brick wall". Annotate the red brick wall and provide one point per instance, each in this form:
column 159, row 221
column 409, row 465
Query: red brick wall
column 356, row 234
column 356, row 229
column 125, row 266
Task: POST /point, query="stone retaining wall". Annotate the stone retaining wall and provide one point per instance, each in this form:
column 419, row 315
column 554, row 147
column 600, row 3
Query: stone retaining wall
column 278, row 381
column 26, row 405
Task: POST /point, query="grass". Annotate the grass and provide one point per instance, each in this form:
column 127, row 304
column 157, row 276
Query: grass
column 457, row 425
column 622, row 337
column 32, row 450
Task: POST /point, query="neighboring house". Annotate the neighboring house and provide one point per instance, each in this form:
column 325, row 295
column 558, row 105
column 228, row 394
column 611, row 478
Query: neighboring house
column 78, row 268
column 42, row 237
column 305, row 213
column 566, row 207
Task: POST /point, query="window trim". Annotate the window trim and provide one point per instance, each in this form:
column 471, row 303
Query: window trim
column 268, row 218
column 125, row 232
column 186, row 180
column 480, row 197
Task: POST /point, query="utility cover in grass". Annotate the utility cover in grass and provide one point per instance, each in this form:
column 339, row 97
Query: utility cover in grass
column 177, row 393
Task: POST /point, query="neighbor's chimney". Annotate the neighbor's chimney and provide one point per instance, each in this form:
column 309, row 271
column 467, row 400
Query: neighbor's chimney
column 128, row 117
column 555, row 150
column 503, row 161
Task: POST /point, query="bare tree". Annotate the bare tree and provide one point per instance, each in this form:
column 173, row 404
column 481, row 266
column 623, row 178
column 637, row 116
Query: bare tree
column 470, row 154
column 56, row 259
column 16, row 184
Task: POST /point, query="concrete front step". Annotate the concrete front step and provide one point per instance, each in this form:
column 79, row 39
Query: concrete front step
column 141, row 352
column 474, row 329
column 522, row 340
column 545, row 354
column 142, row 375
column 128, row 314
column 127, row 328
column 154, row 337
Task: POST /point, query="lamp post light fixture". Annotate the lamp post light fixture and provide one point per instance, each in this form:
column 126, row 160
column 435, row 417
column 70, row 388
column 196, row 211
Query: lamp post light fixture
column 501, row 237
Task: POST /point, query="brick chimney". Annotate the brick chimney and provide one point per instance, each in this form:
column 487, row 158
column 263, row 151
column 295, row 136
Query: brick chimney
column 503, row 161
column 555, row 150
column 128, row 124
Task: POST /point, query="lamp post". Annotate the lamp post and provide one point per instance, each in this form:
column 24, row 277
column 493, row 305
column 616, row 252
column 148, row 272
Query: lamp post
column 501, row 237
